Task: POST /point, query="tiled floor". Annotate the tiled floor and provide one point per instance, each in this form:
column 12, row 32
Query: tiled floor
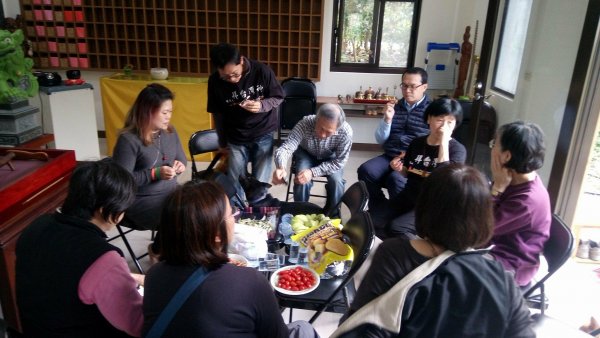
column 574, row 291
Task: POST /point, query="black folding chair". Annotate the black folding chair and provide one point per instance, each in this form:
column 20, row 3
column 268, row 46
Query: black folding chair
column 356, row 198
column 124, row 228
column 207, row 141
column 557, row 251
column 291, row 175
column 336, row 295
column 485, row 132
column 300, row 100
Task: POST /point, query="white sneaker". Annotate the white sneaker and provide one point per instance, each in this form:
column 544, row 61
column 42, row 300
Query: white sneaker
column 594, row 251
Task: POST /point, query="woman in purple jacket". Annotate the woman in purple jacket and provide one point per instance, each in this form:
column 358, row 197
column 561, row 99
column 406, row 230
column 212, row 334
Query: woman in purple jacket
column 521, row 202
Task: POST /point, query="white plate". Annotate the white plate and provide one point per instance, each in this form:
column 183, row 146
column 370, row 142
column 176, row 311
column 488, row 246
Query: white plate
column 275, row 280
column 238, row 258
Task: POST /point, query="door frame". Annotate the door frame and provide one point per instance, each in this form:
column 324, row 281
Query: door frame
column 563, row 184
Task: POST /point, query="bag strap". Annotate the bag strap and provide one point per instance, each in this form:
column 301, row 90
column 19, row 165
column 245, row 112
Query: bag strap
column 184, row 292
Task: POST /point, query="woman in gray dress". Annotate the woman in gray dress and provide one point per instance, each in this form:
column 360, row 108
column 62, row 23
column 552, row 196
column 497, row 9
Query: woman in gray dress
column 148, row 147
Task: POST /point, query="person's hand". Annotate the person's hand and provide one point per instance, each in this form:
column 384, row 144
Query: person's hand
column 167, row 173
column 139, row 279
column 303, row 177
column 279, row 176
column 397, row 162
column 443, row 134
column 446, row 133
column 389, row 112
column 500, row 174
column 252, row 106
column 179, row 167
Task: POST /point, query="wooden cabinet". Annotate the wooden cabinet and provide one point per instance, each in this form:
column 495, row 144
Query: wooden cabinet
column 57, row 30
column 178, row 34
column 33, row 189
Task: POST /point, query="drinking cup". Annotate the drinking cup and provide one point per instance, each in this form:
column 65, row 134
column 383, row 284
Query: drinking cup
column 281, row 259
column 252, row 255
column 271, row 262
column 294, row 251
column 262, row 264
column 303, row 256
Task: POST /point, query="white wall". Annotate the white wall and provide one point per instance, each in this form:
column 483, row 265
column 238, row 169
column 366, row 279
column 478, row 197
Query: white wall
column 441, row 21
column 11, row 8
column 551, row 47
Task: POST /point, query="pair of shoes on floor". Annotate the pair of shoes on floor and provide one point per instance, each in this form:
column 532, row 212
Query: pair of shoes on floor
column 588, row 249
column 583, row 249
column 154, row 257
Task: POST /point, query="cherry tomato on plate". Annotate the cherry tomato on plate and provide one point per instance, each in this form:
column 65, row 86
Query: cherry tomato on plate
column 296, row 279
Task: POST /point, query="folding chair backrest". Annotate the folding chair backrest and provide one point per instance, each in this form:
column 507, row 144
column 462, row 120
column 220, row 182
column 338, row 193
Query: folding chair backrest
column 356, row 198
column 300, row 100
column 557, row 250
column 485, row 132
column 202, row 142
column 206, row 141
column 559, row 245
column 361, row 233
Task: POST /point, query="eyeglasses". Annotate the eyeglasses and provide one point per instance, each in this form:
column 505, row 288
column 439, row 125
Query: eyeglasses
column 231, row 76
column 404, row 86
column 235, row 214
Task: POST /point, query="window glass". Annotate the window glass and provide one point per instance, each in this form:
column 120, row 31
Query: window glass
column 357, row 31
column 395, row 38
column 374, row 35
column 512, row 44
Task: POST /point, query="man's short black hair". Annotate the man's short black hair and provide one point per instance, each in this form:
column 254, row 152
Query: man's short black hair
column 417, row 70
column 224, row 54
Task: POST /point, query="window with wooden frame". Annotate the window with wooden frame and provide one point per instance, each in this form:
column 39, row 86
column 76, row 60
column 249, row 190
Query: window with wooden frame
column 374, row 36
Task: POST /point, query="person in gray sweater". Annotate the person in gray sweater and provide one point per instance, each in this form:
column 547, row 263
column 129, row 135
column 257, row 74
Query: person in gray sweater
column 149, row 148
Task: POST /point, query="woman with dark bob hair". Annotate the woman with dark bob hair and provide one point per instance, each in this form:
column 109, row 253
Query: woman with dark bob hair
column 70, row 282
column 196, row 227
column 423, row 156
column 436, row 284
column 522, row 209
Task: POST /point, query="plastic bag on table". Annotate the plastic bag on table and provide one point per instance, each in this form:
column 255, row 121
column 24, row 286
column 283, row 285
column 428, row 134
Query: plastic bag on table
column 249, row 241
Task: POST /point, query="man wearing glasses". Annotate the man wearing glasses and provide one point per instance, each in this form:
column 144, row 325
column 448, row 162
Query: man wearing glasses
column 243, row 96
column 402, row 122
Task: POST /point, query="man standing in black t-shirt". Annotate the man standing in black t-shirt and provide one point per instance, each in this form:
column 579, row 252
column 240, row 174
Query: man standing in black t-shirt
column 243, row 96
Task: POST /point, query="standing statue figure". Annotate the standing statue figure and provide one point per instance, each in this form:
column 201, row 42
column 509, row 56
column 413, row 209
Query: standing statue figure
column 465, row 59
column 17, row 82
